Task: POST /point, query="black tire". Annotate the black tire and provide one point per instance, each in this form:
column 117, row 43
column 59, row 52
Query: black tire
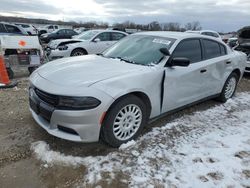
column 78, row 52
column 223, row 97
column 32, row 69
column 10, row 73
column 107, row 134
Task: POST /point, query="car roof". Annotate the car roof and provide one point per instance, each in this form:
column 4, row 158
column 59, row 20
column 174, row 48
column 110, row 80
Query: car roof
column 201, row 31
column 175, row 35
column 105, row 30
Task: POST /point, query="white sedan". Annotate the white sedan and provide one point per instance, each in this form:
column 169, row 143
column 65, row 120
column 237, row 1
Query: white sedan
column 89, row 42
column 144, row 76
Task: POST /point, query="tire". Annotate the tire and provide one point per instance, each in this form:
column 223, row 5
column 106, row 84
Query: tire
column 229, row 87
column 78, row 52
column 10, row 73
column 124, row 121
column 32, row 69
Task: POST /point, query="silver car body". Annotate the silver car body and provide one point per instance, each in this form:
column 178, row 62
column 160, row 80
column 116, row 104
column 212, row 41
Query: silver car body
column 167, row 88
column 90, row 46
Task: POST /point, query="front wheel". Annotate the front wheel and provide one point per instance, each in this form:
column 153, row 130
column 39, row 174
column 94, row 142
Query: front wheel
column 78, row 52
column 124, row 121
column 229, row 87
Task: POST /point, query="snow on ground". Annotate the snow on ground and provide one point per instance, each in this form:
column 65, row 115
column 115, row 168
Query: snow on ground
column 210, row 148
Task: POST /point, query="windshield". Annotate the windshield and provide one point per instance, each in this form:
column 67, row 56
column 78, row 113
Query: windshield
column 87, row 35
column 139, row 49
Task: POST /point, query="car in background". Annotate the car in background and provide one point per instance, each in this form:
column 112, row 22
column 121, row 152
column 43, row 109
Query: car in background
column 232, row 42
column 112, row 96
column 206, row 32
column 30, row 29
column 244, row 44
column 58, row 34
column 11, row 29
column 48, row 29
column 80, row 30
column 89, row 42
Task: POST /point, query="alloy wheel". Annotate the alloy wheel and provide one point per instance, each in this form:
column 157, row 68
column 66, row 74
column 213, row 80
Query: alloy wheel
column 127, row 122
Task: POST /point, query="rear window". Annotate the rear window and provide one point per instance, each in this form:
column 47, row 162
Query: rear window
column 223, row 50
column 212, row 49
column 117, row 36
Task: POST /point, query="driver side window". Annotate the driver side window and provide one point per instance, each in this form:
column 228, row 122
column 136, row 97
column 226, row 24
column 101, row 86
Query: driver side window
column 190, row 49
column 104, row 36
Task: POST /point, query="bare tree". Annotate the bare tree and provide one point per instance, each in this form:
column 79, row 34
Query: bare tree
column 171, row 26
column 154, row 26
column 193, row 26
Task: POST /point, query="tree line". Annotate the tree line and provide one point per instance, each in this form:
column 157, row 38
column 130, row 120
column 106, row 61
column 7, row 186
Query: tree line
column 152, row 26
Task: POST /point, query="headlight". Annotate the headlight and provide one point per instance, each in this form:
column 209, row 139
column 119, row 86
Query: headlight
column 63, row 47
column 78, row 103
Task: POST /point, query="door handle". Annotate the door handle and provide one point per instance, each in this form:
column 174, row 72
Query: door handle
column 228, row 62
column 203, row 70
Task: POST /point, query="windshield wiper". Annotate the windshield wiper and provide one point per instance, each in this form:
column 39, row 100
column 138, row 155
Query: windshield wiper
column 126, row 60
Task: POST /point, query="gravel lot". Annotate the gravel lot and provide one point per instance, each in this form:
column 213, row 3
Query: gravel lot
column 22, row 140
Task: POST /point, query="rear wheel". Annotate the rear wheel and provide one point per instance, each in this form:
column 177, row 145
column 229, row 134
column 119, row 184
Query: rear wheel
column 229, row 87
column 78, row 52
column 10, row 73
column 124, row 121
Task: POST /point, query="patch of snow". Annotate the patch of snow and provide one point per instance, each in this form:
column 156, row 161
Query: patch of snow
column 127, row 145
column 197, row 150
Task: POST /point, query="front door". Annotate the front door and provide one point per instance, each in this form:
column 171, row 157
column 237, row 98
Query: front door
column 184, row 85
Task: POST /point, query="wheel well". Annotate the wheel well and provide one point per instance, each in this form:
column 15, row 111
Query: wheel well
column 237, row 71
column 145, row 99
column 79, row 49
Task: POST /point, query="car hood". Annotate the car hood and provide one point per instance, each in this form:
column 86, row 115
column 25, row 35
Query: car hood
column 85, row 70
column 244, row 36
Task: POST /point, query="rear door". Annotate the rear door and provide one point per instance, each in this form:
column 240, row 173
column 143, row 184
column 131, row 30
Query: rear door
column 115, row 36
column 217, row 64
column 184, row 85
column 61, row 34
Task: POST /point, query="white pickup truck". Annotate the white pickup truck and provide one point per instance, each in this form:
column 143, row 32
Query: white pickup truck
column 48, row 29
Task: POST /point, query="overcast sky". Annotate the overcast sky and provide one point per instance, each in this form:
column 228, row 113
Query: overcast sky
column 220, row 15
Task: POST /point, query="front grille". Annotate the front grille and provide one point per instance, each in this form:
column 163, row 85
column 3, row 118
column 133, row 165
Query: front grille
column 47, row 98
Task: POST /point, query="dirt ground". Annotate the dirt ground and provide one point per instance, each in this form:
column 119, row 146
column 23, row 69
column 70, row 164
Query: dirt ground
column 18, row 165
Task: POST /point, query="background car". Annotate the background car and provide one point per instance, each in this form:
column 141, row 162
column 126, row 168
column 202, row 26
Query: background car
column 206, row 32
column 89, row 42
column 244, row 44
column 80, row 30
column 48, row 29
column 58, row 34
column 30, row 29
column 11, row 29
column 144, row 76
column 232, row 42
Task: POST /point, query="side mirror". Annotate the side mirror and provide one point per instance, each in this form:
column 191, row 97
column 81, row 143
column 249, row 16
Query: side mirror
column 164, row 51
column 180, row 61
column 97, row 40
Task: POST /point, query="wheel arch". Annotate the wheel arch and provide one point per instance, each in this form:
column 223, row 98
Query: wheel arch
column 237, row 71
column 78, row 48
column 141, row 95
